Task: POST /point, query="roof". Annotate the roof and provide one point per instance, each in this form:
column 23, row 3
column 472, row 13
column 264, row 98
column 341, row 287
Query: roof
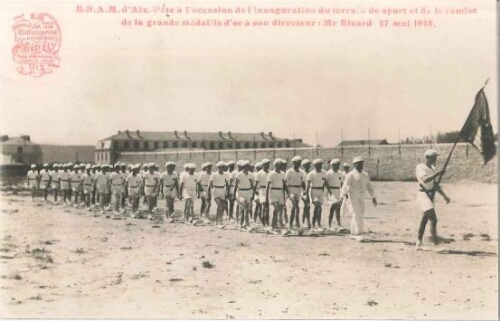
column 21, row 141
column 366, row 142
column 197, row 136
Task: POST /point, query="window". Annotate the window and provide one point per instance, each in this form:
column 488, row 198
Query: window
column 146, row 145
column 271, row 145
column 176, row 144
column 165, row 144
column 105, row 157
column 126, row 145
column 193, row 144
column 263, row 145
column 212, row 145
column 157, row 145
column 287, row 144
column 221, row 145
column 202, row 145
column 136, row 145
column 229, row 145
column 184, row 144
column 115, row 145
column 279, row 145
column 247, row 145
column 19, row 149
column 238, row 145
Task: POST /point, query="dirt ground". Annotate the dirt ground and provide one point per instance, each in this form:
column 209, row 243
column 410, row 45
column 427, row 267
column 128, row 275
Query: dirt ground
column 60, row 262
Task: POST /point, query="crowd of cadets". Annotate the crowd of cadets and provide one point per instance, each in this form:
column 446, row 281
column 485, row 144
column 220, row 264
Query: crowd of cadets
column 252, row 188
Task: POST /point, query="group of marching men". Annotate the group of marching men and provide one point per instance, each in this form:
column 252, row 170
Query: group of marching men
column 232, row 182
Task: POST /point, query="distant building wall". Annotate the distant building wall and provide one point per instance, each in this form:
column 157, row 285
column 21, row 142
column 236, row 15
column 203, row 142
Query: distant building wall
column 395, row 163
column 64, row 154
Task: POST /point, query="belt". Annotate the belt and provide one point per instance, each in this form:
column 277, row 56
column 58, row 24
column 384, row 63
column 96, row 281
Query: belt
column 168, row 185
column 134, row 186
column 150, row 185
column 262, row 186
column 317, row 187
column 277, row 188
column 294, row 185
column 219, row 186
column 121, row 184
column 244, row 189
column 425, row 191
column 45, row 180
column 334, row 187
column 206, row 185
column 64, row 180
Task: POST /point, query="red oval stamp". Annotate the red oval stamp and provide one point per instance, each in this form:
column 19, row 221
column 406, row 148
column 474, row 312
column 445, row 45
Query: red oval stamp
column 37, row 44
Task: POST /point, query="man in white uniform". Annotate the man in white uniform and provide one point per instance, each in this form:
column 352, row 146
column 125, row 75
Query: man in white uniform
column 357, row 183
column 133, row 186
column 316, row 183
column 218, row 187
column 64, row 183
column 275, row 193
column 334, row 179
column 232, row 172
column 101, row 185
column 203, row 182
column 151, row 180
column 45, row 181
column 117, row 187
column 295, row 182
column 88, row 186
column 257, row 214
column 306, row 214
column 54, row 181
column 33, row 178
column 426, row 175
column 169, row 186
column 261, row 185
column 244, row 190
column 345, row 208
column 187, row 190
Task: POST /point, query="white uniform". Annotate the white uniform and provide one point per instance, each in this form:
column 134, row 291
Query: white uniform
column 356, row 184
column 33, row 179
column 190, row 182
column 204, row 179
column 334, row 180
column 169, row 183
column 244, row 192
column 294, row 181
column 276, row 187
column 101, row 181
column 150, row 182
column 117, row 183
column 88, row 183
column 64, row 180
column 134, row 184
column 261, row 177
column 54, row 179
column 75, row 179
column 346, row 203
column 423, row 200
column 232, row 177
column 317, row 180
column 219, row 181
column 44, row 179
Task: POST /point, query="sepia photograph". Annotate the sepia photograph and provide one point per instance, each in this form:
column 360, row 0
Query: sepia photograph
column 264, row 159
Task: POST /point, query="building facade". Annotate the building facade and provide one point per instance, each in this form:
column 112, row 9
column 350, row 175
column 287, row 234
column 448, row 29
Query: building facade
column 108, row 149
column 19, row 150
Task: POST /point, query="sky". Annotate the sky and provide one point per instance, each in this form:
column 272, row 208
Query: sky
column 294, row 82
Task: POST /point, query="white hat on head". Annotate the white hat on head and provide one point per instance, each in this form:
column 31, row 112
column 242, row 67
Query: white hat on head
column 220, row 164
column 317, row 161
column 357, row 159
column 258, row 164
column 88, row 166
column 297, row 159
column 231, row 162
column 278, row 161
column 431, row 152
column 265, row 161
column 240, row 162
column 33, row 166
column 306, row 161
column 192, row 166
column 186, row 165
column 345, row 165
column 335, row 161
column 45, row 165
column 205, row 165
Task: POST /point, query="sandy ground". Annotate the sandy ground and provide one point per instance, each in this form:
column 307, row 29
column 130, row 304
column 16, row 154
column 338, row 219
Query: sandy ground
column 63, row 262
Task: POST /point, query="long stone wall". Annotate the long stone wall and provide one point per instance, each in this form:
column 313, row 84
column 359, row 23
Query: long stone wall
column 385, row 163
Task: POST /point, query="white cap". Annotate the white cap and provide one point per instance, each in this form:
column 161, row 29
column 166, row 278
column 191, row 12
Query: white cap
column 265, row 161
column 431, row 152
column 33, row 166
column 357, row 159
column 297, row 159
column 88, row 166
column 345, row 165
column 70, row 164
column 231, row 162
column 306, row 161
column 240, row 162
column 335, row 161
column 45, row 165
column 317, row 161
column 258, row 165
column 220, row 164
column 192, row 166
column 186, row 165
column 205, row 165
column 278, row 161
column 169, row 164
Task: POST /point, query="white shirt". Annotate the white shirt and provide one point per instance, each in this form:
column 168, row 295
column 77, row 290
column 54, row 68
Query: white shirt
column 88, row 179
column 44, row 175
column 334, row 179
column 244, row 180
column 117, row 179
column 316, row 178
column 421, row 171
column 276, row 179
column 295, row 178
column 55, row 176
column 64, row 176
column 190, row 182
column 204, row 178
column 32, row 176
column 169, row 179
column 261, row 177
column 76, row 177
column 134, row 182
column 101, row 179
column 357, row 183
column 219, row 180
column 151, row 180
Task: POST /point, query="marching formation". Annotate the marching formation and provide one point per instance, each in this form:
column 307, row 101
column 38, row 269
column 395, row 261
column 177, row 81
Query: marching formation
column 270, row 195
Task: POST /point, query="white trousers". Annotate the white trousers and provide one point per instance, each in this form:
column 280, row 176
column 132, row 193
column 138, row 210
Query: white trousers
column 358, row 209
column 346, row 208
